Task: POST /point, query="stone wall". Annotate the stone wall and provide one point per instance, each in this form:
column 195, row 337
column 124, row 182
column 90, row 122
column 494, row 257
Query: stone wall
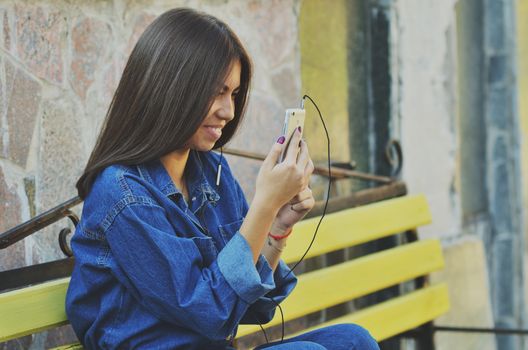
column 59, row 65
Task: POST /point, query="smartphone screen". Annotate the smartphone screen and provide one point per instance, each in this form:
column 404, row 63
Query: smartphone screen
column 293, row 119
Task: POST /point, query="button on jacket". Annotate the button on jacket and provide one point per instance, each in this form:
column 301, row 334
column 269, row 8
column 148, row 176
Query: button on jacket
column 153, row 272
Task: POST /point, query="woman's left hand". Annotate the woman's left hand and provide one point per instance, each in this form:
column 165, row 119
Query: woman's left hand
column 292, row 212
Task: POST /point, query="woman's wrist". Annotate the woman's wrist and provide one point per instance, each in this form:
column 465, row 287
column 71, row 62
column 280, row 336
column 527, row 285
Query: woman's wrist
column 277, row 245
column 278, row 234
column 264, row 205
column 279, row 230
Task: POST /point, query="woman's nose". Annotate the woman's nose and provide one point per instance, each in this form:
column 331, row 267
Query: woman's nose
column 227, row 108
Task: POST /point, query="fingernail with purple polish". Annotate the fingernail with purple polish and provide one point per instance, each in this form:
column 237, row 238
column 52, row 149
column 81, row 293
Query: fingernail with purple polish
column 299, row 128
column 281, row 140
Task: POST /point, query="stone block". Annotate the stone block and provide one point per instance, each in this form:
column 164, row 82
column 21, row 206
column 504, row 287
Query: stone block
column 96, row 103
column 10, row 212
column 274, row 26
column 7, row 31
column 262, row 125
column 17, row 344
column 89, row 37
column 466, row 275
column 60, row 336
column 21, row 99
column 61, row 162
column 141, row 22
column 29, row 187
column 286, row 84
column 38, row 40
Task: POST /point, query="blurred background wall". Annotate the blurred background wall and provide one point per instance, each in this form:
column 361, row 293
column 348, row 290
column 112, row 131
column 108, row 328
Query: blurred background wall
column 447, row 78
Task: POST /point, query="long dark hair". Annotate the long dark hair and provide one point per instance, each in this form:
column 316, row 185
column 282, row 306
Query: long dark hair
column 167, row 87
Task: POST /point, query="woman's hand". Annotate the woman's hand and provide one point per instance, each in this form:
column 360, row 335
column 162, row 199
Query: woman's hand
column 297, row 208
column 293, row 212
column 278, row 183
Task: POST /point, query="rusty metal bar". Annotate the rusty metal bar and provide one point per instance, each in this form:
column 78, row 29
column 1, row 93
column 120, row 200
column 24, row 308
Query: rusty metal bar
column 337, row 173
column 363, row 197
column 496, row 330
column 37, row 223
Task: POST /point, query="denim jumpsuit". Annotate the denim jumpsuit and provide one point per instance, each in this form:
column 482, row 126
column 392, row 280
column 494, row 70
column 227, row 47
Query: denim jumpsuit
column 153, row 272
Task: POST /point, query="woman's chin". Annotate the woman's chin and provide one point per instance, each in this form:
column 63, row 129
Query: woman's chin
column 203, row 147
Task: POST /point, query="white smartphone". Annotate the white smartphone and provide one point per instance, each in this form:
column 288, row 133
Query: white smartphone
column 293, row 119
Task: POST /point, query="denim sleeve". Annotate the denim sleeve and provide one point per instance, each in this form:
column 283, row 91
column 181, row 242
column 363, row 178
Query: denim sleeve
column 263, row 310
column 165, row 273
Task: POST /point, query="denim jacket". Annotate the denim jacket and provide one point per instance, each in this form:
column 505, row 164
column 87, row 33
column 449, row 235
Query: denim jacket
column 152, row 272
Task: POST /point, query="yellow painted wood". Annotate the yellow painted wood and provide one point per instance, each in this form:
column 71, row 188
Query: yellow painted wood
column 324, row 75
column 333, row 285
column 37, row 308
column 32, row 309
column 354, row 226
column 522, row 76
column 399, row 314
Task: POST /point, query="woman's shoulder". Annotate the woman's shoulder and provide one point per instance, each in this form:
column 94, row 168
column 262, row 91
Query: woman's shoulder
column 113, row 182
column 116, row 186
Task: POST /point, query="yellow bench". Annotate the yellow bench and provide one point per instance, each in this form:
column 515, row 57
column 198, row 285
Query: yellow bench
column 40, row 307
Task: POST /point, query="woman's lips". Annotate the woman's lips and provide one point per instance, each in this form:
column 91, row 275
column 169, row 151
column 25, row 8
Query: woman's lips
column 214, row 131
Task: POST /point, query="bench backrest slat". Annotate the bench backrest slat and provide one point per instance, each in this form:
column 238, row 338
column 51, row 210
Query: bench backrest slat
column 321, row 289
column 397, row 315
column 354, row 226
column 32, row 309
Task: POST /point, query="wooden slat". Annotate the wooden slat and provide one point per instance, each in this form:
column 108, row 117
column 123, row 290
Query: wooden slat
column 397, row 315
column 324, row 288
column 32, row 309
column 357, row 225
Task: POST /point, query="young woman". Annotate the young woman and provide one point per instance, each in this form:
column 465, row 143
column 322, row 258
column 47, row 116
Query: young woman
column 165, row 257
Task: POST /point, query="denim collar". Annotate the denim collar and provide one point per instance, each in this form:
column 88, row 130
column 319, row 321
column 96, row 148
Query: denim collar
column 200, row 191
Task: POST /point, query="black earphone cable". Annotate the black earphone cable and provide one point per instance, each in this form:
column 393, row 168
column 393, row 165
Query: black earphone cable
column 322, row 216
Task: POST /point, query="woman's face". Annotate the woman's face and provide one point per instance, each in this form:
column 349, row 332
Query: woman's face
column 221, row 112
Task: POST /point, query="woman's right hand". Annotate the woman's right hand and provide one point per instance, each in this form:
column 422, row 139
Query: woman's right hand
column 278, row 183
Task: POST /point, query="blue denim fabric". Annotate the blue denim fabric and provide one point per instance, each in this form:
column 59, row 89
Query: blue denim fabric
column 153, row 272
column 338, row 337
